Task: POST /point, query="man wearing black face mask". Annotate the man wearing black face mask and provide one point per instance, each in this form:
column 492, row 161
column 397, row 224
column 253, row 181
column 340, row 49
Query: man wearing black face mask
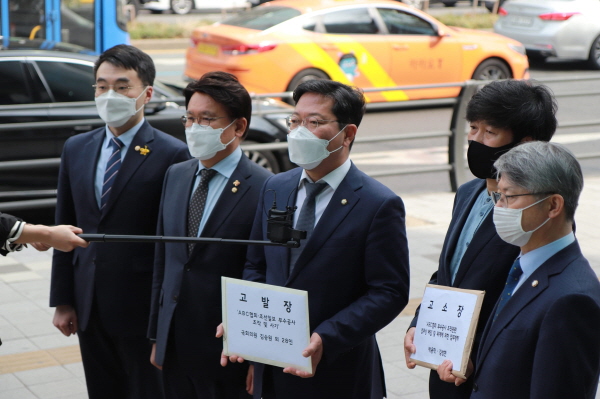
column 502, row 115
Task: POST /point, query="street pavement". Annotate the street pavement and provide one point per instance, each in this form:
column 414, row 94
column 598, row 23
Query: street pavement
column 37, row 361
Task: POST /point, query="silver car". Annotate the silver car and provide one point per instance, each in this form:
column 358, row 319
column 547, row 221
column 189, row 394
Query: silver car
column 568, row 29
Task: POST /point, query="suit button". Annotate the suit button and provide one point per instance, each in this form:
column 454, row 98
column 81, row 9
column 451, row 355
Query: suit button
column 475, row 387
column 175, row 297
column 187, row 269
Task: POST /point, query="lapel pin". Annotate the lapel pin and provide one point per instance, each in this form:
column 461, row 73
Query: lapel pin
column 344, row 201
column 234, row 190
column 534, row 283
column 236, row 183
column 143, row 151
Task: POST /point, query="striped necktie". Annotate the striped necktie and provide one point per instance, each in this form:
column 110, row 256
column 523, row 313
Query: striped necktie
column 112, row 168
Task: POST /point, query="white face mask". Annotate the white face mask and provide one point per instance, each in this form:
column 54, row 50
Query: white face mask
column 307, row 150
column 115, row 109
column 204, row 141
column 508, row 224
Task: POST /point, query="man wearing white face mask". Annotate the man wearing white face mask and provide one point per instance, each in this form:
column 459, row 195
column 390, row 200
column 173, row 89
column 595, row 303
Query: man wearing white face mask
column 110, row 181
column 214, row 195
column 354, row 262
column 542, row 339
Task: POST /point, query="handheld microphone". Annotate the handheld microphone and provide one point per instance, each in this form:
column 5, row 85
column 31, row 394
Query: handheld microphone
column 279, row 225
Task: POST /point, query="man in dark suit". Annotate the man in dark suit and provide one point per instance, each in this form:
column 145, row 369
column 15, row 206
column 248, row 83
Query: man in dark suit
column 354, row 263
column 110, row 181
column 15, row 233
column 502, row 115
column 542, row 340
column 186, row 293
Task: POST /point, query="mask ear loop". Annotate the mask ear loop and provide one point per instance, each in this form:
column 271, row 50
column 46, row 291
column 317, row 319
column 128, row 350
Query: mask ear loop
column 338, row 133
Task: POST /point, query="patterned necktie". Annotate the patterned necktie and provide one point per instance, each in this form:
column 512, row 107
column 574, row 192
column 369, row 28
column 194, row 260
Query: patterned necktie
column 197, row 204
column 306, row 220
column 112, row 167
column 511, row 284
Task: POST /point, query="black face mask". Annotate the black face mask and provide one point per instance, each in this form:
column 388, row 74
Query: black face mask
column 481, row 158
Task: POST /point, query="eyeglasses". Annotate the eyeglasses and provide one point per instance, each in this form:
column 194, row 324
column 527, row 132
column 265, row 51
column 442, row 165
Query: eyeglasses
column 204, row 121
column 502, row 199
column 311, row 123
column 120, row 88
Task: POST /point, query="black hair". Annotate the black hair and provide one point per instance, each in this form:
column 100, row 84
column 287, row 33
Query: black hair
column 225, row 89
column 129, row 57
column 527, row 108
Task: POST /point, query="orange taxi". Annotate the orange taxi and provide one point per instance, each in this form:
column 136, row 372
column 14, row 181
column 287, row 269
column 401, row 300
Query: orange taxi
column 366, row 43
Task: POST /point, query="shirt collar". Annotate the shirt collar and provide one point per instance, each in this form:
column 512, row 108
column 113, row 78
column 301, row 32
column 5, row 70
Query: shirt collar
column 126, row 138
column 333, row 178
column 534, row 259
column 227, row 165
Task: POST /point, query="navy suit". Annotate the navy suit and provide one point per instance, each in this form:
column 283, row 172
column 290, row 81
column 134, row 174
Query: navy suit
column 109, row 285
column 186, row 293
column 544, row 343
column 484, row 266
column 355, row 269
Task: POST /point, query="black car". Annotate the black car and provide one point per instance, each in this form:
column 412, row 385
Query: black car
column 47, row 89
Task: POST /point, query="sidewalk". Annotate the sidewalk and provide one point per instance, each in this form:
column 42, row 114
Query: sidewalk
column 36, row 361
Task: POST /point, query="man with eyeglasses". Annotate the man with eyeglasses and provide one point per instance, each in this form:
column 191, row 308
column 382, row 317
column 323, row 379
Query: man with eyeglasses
column 502, row 115
column 213, row 195
column 542, row 339
column 110, row 181
column 354, row 261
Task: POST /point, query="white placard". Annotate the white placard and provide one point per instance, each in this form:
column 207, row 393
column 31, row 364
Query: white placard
column 446, row 327
column 265, row 323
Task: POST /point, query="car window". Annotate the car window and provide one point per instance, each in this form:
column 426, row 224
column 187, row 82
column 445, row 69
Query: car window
column 401, row 23
column 262, row 18
column 67, row 81
column 353, row 21
column 14, row 88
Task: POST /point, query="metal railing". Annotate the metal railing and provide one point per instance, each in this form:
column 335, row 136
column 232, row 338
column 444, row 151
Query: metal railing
column 456, row 165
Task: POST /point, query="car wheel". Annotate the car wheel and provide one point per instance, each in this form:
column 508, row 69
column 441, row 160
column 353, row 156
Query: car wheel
column 182, row 6
column 594, row 58
column 266, row 159
column 492, row 69
column 305, row 76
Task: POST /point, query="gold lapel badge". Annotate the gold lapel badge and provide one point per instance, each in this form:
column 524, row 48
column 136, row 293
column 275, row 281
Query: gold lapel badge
column 143, row 151
column 344, row 201
column 234, row 189
column 534, row 283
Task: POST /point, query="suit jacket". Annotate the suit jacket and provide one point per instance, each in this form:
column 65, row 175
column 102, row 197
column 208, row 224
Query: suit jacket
column 186, row 293
column 484, row 266
column 7, row 222
column 544, row 343
column 116, row 276
column 355, row 269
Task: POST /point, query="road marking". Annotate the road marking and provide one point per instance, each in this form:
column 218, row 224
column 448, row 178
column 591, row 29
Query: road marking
column 39, row 359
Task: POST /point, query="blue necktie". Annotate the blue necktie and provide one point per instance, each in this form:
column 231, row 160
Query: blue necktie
column 306, row 220
column 511, row 284
column 112, row 167
column 196, row 209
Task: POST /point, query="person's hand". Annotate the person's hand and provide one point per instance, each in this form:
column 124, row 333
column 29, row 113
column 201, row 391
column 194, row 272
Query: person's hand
column 314, row 350
column 40, row 246
column 445, row 372
column 409, row 347
column 65, row 319
column 250, row 380
column 224, row 358
column 64, row 238
column 153, row 357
